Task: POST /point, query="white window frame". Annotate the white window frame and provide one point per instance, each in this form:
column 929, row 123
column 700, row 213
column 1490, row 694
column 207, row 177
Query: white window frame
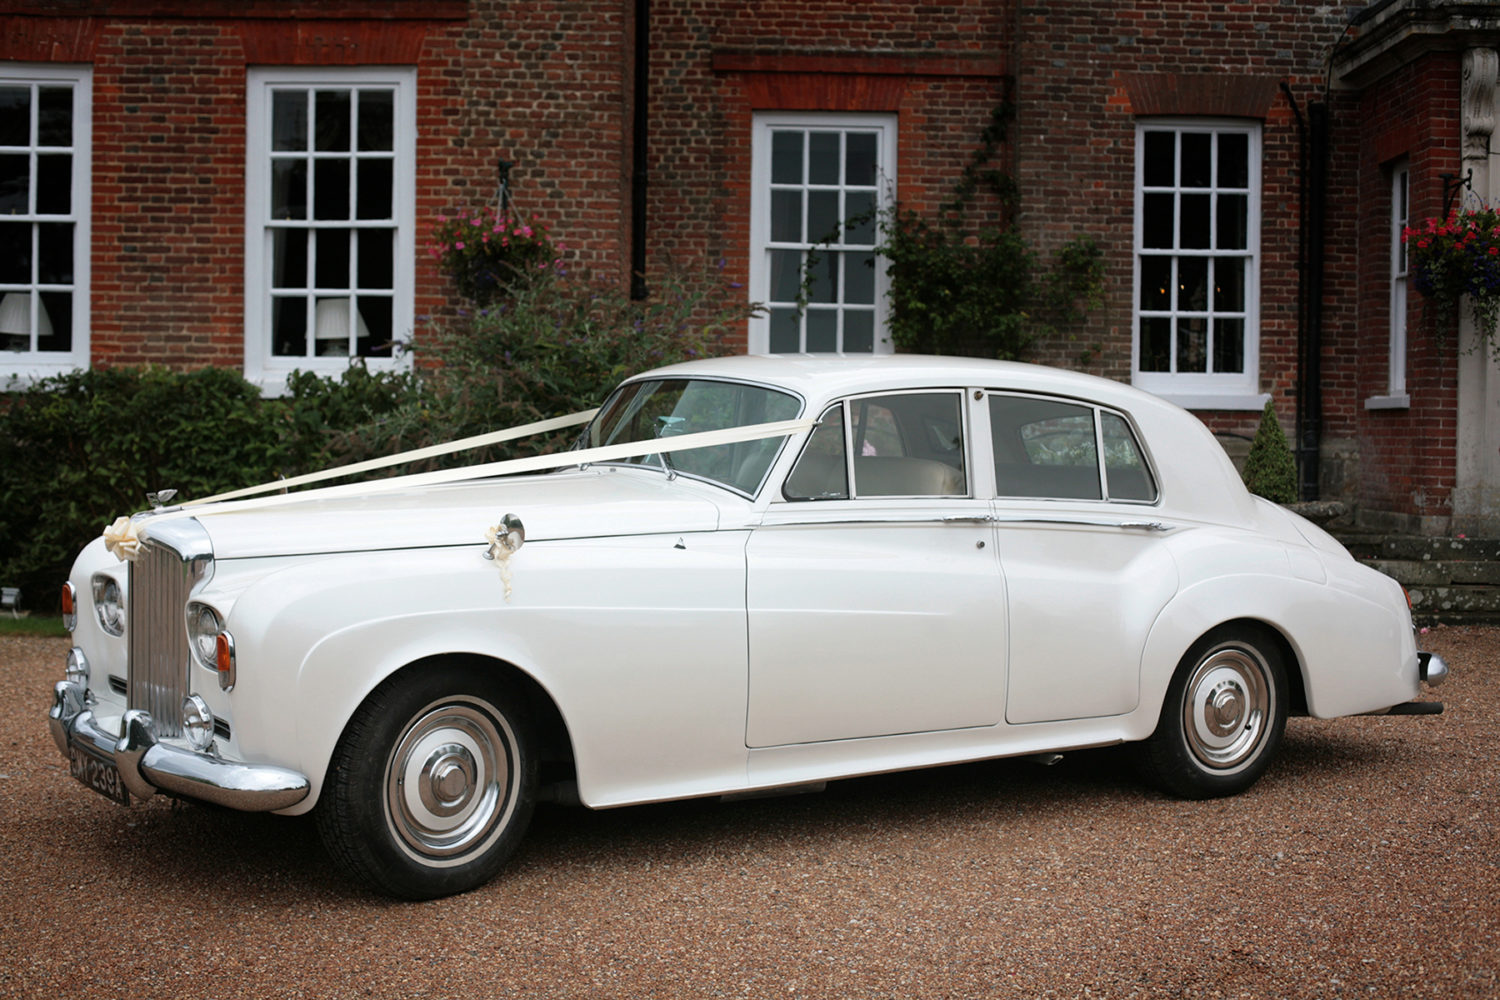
column 1396, row 397
column 262, row 367
column 761, row 246
column 20, row 369
column 1203, row 390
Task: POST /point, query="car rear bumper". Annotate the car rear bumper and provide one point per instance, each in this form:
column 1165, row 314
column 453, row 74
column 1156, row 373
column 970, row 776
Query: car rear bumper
column 147, row 764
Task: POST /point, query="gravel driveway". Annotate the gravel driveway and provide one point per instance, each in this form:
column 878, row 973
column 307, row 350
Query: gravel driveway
column 1365, row 864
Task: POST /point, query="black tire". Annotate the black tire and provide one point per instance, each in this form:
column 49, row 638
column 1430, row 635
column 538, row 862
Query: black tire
column 432, row 784
column 1223, row 716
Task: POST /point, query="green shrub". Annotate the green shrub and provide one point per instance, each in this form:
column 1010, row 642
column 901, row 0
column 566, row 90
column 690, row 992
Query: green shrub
column 1270, row 469
column 83, row 448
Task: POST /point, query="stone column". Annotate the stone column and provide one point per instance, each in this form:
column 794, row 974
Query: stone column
column 1476, row 493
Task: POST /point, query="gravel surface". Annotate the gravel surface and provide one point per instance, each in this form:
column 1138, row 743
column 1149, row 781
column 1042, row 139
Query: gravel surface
column 1366, row 863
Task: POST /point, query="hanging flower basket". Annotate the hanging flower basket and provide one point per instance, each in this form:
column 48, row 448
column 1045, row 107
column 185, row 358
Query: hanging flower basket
column 485, row 251
column 1459, row 256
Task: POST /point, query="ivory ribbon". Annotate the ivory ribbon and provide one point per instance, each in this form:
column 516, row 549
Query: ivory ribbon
column 462, row 444
column 537, row 463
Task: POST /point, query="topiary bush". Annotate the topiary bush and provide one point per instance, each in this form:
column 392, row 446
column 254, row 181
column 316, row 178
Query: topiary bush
column 1270, row 469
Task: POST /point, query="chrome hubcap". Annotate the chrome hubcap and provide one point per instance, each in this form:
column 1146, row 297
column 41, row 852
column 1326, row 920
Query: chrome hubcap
column 449, row 787
column 1228, row 707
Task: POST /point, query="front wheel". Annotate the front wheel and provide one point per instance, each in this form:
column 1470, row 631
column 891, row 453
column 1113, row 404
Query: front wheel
column 1223, row 716
column 433, row 783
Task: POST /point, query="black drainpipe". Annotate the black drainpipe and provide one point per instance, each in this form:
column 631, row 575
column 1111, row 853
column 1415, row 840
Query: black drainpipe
column 638, row 160
column 1312, row 171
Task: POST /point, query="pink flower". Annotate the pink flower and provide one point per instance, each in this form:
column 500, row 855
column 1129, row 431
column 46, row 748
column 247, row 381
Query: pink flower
column 458, row 246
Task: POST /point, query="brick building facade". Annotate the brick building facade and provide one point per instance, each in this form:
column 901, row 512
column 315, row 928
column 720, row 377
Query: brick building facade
column 249, row 184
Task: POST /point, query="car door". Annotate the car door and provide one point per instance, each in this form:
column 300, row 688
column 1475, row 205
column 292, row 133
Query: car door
column 875, row 602
column 1081, row 545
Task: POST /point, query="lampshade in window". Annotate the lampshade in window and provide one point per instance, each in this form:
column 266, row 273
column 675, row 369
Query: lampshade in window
column 15, row 322
column 331, row 327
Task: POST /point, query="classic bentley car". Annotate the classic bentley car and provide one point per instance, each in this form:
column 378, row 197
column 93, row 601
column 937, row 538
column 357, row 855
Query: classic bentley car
column 750, row 574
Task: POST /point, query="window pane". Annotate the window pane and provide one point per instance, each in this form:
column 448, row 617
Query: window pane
column 786, row 216
column 55, row 323
column 1229, row 345
column 861, row 165
column 1043, row 448
column 859, row 278
column 288, row 189
column 786, row 158
column 1234, row 160
column 15, row 321
column 1192, row 344
column 1234, row 212
column 333, row 259
column 786, row 332
column 822, row 331
column 289, row 258
column 331, row 189
column 331, row 121
column 823, row 217
column 289, row 120
column 1160, row 166
column 1156, row 283
column 376, row 259
column 1194, row 234
column 377, row 120
column 289, row 327
column 375, row 187
column 823, row 158
column 15, row 253
column 822, row 470
column 15, row 116
column 55, row 253
column 1156, row 344
column 54, row 184
column 823, row 278
column 1158, row 223
column 786, row 275
column 1197, row 159
column 859, row 331
column 1192, row 284
column 1124, row 466
column 374, row 332
column 1229, row 285
column 55, row 116
column 909, row 445
column 15, row 184
column 859, row 208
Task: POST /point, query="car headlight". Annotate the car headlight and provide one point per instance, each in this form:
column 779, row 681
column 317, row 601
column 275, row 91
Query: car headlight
column 204, row 626
column 109, row 604
column 197, row 722
column 212, row 646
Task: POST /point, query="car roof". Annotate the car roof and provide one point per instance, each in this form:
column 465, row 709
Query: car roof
column 818, row 377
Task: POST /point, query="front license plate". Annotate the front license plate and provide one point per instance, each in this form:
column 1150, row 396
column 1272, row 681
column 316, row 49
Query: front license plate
column 99, row 774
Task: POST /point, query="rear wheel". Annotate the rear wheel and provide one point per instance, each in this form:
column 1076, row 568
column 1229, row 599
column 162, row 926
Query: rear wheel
column 433, row 783
column 1223, row 716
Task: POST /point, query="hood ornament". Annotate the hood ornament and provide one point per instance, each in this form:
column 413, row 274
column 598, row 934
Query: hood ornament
column 160, row 498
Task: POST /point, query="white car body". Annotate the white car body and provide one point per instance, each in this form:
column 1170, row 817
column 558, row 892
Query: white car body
column 694, row 639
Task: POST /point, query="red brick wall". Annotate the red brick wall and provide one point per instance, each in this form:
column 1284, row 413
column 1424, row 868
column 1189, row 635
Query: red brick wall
column 1406, row 455
column 1087, row 70
column 714, row 66
column 541, row 84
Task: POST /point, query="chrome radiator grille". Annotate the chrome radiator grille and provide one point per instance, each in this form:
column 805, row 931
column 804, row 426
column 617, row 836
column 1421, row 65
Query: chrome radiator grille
column 174, row 559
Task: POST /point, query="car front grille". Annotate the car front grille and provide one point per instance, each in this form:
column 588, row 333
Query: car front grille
column 175, row 558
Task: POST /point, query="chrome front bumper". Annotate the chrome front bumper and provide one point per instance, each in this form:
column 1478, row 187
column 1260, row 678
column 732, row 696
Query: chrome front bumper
column 148, row 764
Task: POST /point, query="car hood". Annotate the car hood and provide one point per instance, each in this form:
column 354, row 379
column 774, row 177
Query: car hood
column 587, row 503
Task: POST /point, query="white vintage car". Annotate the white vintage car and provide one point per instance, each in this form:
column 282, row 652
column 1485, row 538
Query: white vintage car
column 840, row 567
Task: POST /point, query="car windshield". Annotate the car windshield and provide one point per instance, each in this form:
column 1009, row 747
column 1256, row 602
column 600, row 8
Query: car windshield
column 656, row 408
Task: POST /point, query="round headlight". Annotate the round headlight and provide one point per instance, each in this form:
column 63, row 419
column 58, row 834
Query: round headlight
column 204, row 626
column 109, row 604
column 197, row 722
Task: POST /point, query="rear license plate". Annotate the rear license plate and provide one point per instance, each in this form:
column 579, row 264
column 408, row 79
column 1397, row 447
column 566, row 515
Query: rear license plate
column 99, row 774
